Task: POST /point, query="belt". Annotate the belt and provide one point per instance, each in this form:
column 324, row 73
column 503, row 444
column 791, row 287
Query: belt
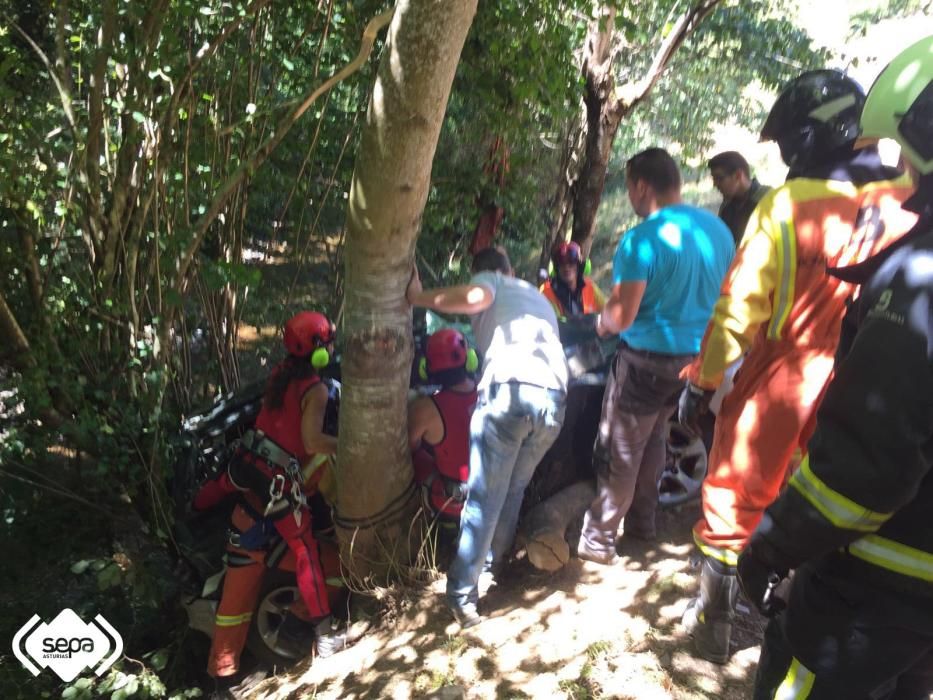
column 650, row 354
column 494, row 389
column 256, row 442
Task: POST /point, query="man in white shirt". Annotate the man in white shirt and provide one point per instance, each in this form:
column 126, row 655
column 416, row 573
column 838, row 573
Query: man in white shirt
column 519, row 412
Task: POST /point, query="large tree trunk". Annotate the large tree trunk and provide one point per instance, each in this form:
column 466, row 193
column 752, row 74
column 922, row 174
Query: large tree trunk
column 603, row 116
column 390, row 186
column 607, row 105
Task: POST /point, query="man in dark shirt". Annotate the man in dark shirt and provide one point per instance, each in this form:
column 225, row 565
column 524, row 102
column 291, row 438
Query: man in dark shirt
column 740, row 191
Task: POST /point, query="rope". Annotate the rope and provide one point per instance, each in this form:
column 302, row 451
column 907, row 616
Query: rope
column 392, row 509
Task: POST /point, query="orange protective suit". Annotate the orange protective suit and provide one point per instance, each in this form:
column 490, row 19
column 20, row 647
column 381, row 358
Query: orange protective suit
column 246, row 570
column 779, row 304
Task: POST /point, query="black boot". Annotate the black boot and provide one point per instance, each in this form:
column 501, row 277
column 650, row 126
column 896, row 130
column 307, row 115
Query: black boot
column 708, row 618
column 223, row 689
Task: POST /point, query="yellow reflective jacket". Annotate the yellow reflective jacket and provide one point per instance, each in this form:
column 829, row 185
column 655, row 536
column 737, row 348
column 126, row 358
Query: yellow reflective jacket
column 777, row 288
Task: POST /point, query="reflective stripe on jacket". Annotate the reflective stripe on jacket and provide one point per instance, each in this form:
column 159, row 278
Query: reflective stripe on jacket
column 864, row 495
column 777, row 288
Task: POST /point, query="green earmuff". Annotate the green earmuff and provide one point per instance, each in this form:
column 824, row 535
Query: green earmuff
column 472, row 361
column 320, row 358
column 423, row 369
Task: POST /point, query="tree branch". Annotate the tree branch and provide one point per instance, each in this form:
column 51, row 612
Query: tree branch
column 20, row 352
column 628, row 96
column 260, row 154
column 63, row 93
column 96, row 122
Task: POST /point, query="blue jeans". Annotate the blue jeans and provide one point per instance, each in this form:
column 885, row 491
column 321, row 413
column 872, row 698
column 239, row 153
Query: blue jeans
column 511, row 429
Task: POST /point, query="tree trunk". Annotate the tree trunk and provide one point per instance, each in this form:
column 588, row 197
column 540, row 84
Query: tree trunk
column 544, row 528
column 390, row 187
column 603, row 116
column 603, row 119
column 607, row 105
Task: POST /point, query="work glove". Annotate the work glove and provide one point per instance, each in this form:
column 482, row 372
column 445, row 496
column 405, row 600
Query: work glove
column 759, row 583
column 693, row 404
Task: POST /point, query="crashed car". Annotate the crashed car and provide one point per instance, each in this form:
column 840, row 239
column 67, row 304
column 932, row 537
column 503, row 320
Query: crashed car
column 208, row 438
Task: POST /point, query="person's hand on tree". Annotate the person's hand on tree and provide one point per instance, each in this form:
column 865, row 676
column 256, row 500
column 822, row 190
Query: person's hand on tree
column 414, row 286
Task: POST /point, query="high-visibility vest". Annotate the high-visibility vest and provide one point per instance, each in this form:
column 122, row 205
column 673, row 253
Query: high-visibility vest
column 593, row 300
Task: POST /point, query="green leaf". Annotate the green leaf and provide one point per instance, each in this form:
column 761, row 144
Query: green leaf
column 139, row 117
column 108, row 577
column 173, row 298
column 289, row 66
column 79, row 567
column 160, row 659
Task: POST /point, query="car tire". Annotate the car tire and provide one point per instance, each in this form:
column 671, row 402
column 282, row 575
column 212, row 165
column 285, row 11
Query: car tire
column 277, row 594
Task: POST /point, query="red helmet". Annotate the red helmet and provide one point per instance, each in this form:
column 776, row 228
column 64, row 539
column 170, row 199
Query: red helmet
column 446, row 349
column 307, row 331
column 565, row 252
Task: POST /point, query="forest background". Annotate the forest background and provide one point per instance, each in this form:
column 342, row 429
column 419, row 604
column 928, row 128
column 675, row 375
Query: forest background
column 170, row 194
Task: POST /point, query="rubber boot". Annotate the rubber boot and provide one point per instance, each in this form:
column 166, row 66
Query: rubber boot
column 332, row 636
column 708, row 618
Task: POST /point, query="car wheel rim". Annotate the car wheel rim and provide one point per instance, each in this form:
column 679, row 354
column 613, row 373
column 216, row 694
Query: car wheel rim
column 269, row 616
column 685, row 467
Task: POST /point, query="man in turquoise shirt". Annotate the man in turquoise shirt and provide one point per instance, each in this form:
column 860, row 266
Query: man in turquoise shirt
column 667, row 271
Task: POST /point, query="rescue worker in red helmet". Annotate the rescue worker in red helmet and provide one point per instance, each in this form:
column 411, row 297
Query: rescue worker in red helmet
column 781, row 310
column 569, row 288
column 439, row 428
column 266, row 472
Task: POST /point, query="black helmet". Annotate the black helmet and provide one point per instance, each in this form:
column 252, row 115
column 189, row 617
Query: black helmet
column 815, row 115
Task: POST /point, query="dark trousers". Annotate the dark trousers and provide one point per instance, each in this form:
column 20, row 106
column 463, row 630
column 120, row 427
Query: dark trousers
column 628, row 456
column 840, row 639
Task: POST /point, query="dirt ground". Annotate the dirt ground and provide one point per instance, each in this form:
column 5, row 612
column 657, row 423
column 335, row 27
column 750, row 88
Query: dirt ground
column 586, row 631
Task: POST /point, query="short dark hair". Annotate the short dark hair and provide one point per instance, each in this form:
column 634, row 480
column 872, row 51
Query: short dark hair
column 491, row 260
column 656, row 167
column 729, row 162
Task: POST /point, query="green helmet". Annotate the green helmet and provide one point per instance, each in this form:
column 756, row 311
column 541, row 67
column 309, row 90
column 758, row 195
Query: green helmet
column 900, row 105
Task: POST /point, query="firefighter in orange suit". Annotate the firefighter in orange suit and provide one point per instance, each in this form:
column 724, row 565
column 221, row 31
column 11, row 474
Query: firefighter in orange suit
column 569, row 287
column 781, row 310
